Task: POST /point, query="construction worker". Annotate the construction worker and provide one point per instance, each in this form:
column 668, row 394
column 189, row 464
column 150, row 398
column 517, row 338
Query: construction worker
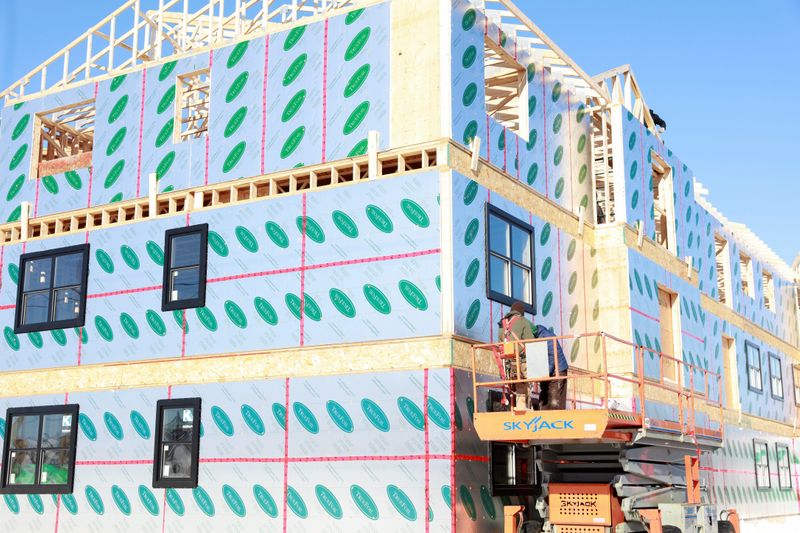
column 515, row 327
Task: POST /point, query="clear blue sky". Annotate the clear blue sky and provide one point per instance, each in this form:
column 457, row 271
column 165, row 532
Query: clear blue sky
column 724, row 75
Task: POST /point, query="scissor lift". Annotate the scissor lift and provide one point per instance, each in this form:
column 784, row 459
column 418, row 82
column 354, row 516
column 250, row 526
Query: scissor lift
column 624, row 454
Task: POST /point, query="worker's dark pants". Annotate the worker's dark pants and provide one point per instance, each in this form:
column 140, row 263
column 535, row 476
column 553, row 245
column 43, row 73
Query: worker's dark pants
column 554, row 394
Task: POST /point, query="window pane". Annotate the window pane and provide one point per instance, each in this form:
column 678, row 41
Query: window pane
column 35, row 307
column 176, row 460
column 521, row 245
column 185, row 250
column 520, row 283
column 37, row 274
column 68, row 270
column 185, row 284
column 23, row 468
column 56, row 431
column 498, row 275
column 24, row 432
column 177, row 424
column 55, row 467
column 498, row 235
column 68, row 303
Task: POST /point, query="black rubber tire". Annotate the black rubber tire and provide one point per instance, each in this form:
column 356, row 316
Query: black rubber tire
column 670, row 529
column 724, row 526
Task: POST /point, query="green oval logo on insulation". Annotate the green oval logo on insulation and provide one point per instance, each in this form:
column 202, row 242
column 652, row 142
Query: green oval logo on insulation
column 471, row 232
column 470, row 92
column 279, row 412
column 295, row 69
column 11, row 338
column 342, row 303
column 413, row 295
column 36, row 503
column 237, row 86
column 573, row 318
column 16, row 186
column 177, row 314
column 266, row 311
column 155, row 253
column 148, row 500
column 375, row 415
column 121, row 500
column 345, row 224
column 581, row 143
column 50, row 184
column 311, row 309
column 235, row 121
column 70, row 503
column 470, row 131
column 357, row 44
column 545, row 236
column 111, row 178
column 12, row 503
column 356, row 118
column 94, row 499
column 277, row 235
column 558, row 156
column 632, row 140
column 207, row 318
column 292, row 142
column 82, row 334
column 36, row 339
column 18, row 156
column 468, row 20
column 117, row 82
column 103, row 328
column 411, row 412
column 13, row 272
column 140, row 425
column 339, row 416
column 129, row 256
column 472, row 313
column 166, row 100
column 364, row 502
column 113, row 426
column 293, row 37
column 218, row 244
column 104, row 260
column 470, row 192
column 156, row 323
column 353, row 16
column 360, row 148
column 313, row 229
column 293, row 106
column 165, row 164
column 129, row 325
column 635, row 199
column 547, row 304
column 296, row 503
column 582, row 173
column 116, row 141
column 559, row 187
column 234, row 156
column 265, row 501
column 557, row 123
column 20, row 127
column 468, row 502
column 203, row 501
column 166, row 70
column 415, row 213
column 175, row 502
column 328, row 501
column 293, row 303
column 556, row 91
column 472, row 272
column 235, row 314
column 237, row 53
column 546, row 266
column 87, row 427
column 356, row 81
column 379, row 218
column 377, row 299
column 165, row 133
column 401, row 502
column 233, row 500
column 488, row 503
column 468, row 58
column 116, row 198
column 73, row 179
column 222, row 421
column 118, row 109
column 252, row 419
column 438, row 414
column 246, row 239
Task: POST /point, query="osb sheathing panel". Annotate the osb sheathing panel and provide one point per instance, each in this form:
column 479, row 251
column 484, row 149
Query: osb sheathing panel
column 666, row 260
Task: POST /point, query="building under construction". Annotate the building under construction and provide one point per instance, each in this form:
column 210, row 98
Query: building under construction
column 268, row 300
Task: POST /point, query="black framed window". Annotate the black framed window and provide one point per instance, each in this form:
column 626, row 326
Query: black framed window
column 784, row 468
column 509, row 259
column 185, row 257
column 753, row 356
column 761, row 454
column 177, row 443
column 51, row 290
column 796, row 384
column 39, row 450
column 775, row 377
